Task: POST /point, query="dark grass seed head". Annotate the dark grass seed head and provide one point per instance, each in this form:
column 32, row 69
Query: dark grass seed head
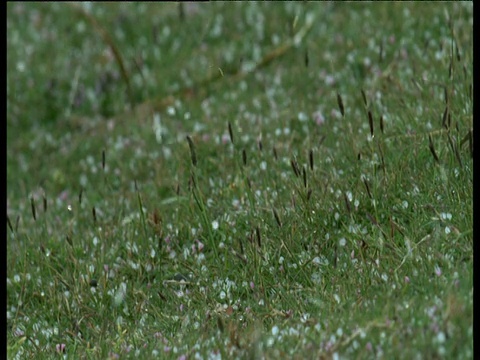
column 381, row 124
column 347, row 203
column 69, row 240
column 370, row 122
column 259, row 237
column 367, row 187
column 432, row 148
column 242, row 250
column 193, row 154
column 295, row 167
column 94, row 215
column 457, row 51
column 9, row 223
column 445, row 117
column 103, row 160
column 310, row 159
column 230, row 132
column 372, row 219
column 304, row 175
column 244, row 157
column 340, row 105
column 34, row 211
column 364, row 97
column 277, row 218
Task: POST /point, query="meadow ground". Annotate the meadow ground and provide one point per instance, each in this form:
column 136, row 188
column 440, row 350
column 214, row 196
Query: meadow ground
column 245, row 180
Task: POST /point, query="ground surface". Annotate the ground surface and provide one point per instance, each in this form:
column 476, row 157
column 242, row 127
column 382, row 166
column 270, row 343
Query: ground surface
column 320, row 208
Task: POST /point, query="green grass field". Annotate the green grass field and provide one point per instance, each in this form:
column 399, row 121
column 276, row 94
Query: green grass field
column 240, row 180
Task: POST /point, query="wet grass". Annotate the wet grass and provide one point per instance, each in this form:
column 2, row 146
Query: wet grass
column 239, row 180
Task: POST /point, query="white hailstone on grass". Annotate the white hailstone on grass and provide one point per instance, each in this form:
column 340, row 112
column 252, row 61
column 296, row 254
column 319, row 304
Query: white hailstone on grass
column 215, row 225
column 21, row 66
column 302, row 116
column 270, row 341
column 446, row 216
column 120, row 294
column 293, row 332
column 171, row 111
column 275, row 330
column 167, row 152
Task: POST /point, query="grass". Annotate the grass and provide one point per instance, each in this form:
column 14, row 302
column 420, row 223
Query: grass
column 240, row 180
